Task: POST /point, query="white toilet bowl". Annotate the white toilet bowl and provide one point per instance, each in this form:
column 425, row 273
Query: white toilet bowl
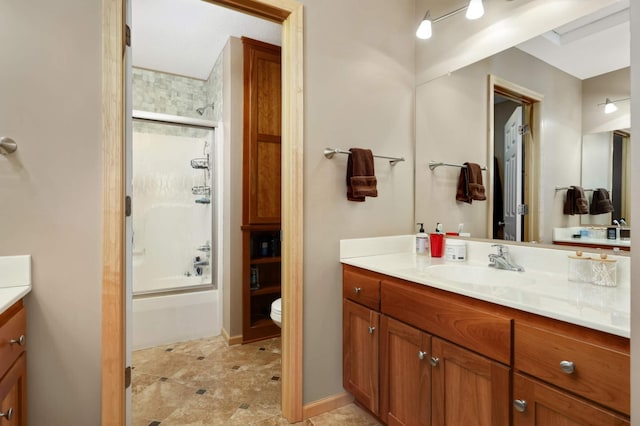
column 276, row 312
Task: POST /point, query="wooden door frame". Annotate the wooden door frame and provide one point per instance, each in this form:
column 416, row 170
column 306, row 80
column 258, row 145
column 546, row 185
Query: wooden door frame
column 290, row 14
column 531, row 102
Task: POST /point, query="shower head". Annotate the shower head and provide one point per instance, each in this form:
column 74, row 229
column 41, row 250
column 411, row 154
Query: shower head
column 204, row 108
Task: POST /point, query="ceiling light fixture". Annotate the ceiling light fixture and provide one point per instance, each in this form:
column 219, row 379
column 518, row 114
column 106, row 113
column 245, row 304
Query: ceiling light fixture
column 474, row 9
column 610, row 106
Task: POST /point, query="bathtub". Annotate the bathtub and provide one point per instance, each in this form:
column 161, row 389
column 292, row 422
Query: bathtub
column 160, row 319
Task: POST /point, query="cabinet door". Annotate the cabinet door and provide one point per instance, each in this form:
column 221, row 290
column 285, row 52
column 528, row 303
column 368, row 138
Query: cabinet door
column 13, row 394
column 262, row 133
column 405, row 391
column 467, row 388
column 360, row 345
column 537, row 404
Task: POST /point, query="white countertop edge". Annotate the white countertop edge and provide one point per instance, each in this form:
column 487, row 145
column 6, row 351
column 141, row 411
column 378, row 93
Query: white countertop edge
column 594, row 241
column 10, row 295
column 375, row 267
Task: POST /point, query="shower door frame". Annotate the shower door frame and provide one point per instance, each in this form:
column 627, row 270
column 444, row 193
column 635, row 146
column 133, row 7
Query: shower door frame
column 290, row 14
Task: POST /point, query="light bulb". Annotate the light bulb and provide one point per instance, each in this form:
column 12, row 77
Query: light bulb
column 424, row 30
column 609, row 107
column 475, row 9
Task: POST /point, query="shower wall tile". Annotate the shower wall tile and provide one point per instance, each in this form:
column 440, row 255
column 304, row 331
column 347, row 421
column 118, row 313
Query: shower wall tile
column 156, row 91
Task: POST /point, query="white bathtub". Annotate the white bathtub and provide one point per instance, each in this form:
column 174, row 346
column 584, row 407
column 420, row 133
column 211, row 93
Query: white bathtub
column 167, row 318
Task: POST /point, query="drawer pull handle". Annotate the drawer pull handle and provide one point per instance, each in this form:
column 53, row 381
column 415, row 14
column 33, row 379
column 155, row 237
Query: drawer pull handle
column 434, row 361
column 371, row 330
column 421, row 354
column 8, row 414
column 567, row 366
column 520, row 405
column 357, row 290
column 20, row 340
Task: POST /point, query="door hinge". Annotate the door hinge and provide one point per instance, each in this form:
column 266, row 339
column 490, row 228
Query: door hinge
column 127, row 35
column 127, row 377
column 523, row 130
column 127, row 206
column 522, row 209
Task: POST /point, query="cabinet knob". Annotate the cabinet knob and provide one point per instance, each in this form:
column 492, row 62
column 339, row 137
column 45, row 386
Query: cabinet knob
column 434, row 361
column 357, row 290
column 520, row 405
column 421, row 354
column 20, row 340
column 567, row 366
column 8, row 414
column 371, row 330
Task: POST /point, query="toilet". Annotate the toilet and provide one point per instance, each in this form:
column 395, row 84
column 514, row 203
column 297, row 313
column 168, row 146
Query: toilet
column 276, row 312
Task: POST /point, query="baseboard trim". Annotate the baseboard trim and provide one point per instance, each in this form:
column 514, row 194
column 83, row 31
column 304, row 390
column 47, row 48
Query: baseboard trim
column 235, row 340
column 326, row 404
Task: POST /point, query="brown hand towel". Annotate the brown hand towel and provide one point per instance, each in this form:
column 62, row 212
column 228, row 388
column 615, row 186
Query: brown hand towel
column 361, row 179
column 476, row 188
column 570, row 202
column 581, row 203
column 470, row 185
column 600, row 202
column 462, row 190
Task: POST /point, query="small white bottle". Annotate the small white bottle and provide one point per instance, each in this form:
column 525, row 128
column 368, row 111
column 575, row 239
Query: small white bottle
column 422, row 241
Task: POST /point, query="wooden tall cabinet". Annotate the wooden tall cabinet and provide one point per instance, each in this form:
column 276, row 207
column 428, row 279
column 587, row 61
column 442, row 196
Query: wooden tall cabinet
column 261, row 182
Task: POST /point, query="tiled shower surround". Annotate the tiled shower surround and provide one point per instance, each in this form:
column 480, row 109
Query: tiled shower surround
column 156, row 91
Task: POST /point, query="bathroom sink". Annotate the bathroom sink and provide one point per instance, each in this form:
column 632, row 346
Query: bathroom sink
column 478, row 275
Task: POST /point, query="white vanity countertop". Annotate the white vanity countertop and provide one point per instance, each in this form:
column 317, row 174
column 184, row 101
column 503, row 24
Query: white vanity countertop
column 15, row 279
column 549, row 294
column 564, row 235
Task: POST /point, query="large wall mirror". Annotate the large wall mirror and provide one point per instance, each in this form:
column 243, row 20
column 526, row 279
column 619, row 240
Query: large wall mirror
column 555, row 86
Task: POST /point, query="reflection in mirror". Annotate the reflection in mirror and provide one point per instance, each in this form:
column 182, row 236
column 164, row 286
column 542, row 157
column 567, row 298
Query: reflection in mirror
column 605, row 165
column 452, row 121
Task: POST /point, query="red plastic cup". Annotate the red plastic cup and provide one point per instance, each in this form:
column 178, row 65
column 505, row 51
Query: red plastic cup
column 436, row 242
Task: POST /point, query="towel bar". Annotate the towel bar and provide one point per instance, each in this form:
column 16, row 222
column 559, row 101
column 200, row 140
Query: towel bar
column 330, row 152
column 433, row 165
column 564, row 188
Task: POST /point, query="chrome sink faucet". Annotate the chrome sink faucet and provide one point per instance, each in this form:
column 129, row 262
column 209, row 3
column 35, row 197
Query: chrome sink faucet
column 502, row 260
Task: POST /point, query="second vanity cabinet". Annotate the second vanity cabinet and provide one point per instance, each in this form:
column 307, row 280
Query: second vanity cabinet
column 13, row 366
column 447, row 359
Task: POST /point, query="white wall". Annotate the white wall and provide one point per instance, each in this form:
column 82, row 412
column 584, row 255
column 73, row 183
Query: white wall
column 359, row 85
column 451, row 126
column 232, row 183
column 51, row 196
column 597, row 165
column 613, row 85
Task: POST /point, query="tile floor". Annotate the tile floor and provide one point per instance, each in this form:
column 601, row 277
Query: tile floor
column 206, row 382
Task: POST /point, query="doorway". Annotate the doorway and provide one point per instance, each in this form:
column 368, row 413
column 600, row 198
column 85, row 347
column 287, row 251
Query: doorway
column 513, row 148
column 289, row 13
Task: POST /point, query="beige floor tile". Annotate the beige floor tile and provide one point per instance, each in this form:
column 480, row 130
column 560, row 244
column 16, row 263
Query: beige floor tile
column 205, row 382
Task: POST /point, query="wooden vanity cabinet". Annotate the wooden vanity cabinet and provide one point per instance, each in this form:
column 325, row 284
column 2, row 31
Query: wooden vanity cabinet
column 13, row 366
column 467, row 388
column 569, row 375
column 360, row 346
column 405, row 380
column 486, row 364
column 538, row 404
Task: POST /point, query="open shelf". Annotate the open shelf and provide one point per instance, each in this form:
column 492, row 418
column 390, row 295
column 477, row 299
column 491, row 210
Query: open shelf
column 267, row 259
column 274, row 289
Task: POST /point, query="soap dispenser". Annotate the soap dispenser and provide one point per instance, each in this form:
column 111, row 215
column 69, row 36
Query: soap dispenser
column 422, row 241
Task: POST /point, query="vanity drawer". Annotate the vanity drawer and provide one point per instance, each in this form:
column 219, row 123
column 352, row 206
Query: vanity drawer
column 469, row 326
column 597, row 372
column 12, row 325
column 361, row 287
